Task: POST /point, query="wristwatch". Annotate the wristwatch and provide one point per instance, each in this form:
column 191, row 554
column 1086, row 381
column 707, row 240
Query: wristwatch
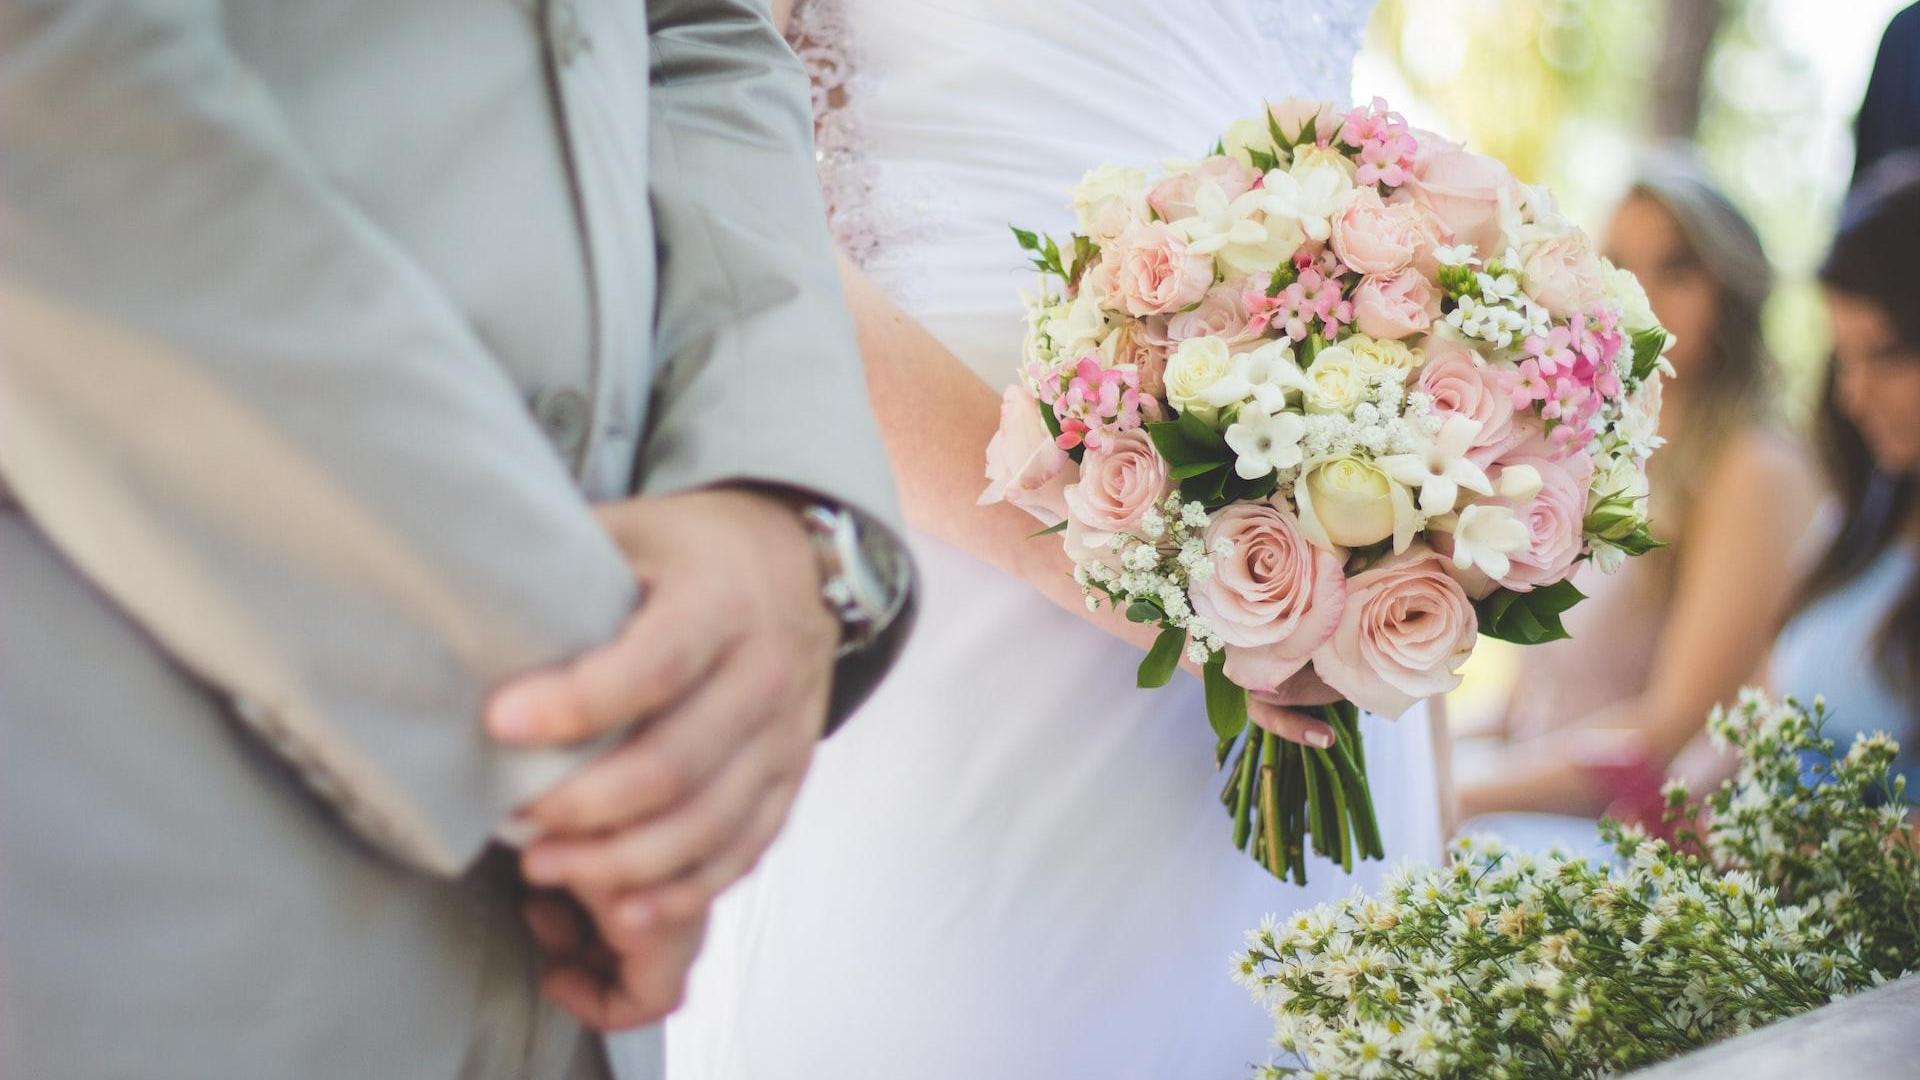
column 865, row 577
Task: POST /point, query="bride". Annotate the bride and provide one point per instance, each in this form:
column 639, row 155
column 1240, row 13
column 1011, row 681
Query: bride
column 1013, row 863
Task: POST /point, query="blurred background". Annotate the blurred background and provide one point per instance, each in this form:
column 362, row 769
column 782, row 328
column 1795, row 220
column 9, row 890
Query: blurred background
column 1567, row 92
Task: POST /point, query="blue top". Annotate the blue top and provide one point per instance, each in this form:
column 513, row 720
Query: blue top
column 1828, row 650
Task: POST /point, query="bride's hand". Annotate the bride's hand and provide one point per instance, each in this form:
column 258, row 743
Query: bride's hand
column 1271, row 710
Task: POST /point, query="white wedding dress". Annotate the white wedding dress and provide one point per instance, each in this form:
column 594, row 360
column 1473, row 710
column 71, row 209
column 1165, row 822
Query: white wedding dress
column 1012, row 863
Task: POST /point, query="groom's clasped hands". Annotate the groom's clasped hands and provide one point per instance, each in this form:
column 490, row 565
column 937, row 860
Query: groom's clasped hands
column 722, row 677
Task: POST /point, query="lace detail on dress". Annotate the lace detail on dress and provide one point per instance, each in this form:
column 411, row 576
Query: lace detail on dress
column 819, row 33
column 1317, row 41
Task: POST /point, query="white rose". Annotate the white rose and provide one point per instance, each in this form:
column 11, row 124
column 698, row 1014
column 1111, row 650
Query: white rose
column 1201, row 378
column 1278, row 236
column 1248, row 136
column 1339, row 380
column 1076, row 328
column 1626, row 295
column 1350, row 502
column 1393, row 355
column 1108, row 201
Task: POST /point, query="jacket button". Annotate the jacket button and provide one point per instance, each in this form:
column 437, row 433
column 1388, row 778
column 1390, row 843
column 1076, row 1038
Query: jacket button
column 562, row 414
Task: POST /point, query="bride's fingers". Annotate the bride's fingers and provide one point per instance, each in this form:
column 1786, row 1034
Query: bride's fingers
column 1293, row 726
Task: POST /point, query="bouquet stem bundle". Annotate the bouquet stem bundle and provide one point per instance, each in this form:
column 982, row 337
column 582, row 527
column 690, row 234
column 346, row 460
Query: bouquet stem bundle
column 1286, row 798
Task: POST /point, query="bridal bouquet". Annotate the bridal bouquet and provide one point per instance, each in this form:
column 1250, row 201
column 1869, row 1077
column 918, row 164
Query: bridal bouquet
column 1804, row 885
column 1325, row 406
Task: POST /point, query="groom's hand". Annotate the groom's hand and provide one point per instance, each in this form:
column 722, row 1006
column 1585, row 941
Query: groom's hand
column 724, row 675
column 604, row 989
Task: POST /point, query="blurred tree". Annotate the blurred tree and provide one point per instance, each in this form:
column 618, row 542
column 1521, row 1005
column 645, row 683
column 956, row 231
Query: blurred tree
column 1679, row 80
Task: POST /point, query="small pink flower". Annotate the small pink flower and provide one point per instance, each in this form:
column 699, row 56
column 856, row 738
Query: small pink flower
column 1554, row 351
column 1565, row 400
column 1527, row 385
column 1386, row 145
column 1095, row 402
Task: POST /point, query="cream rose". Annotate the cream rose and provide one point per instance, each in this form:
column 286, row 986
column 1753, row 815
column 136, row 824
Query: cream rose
column 1108, row 201
column 1394, row 355
column 1201, row 378
column 1628, row 297
column 1349, row 502
column 1339, row 380
column 1406, row 629
column 1024, row 466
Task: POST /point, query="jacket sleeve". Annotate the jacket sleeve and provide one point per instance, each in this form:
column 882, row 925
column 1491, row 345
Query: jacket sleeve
column 761, row 378
column 241, row 410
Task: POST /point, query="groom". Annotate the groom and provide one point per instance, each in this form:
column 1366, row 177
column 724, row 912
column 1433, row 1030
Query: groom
column 391, row 392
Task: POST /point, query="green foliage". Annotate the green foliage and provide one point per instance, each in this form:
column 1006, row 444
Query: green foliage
column 1527, row 618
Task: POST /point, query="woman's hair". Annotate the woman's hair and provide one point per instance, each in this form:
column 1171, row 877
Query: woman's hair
column 1872, row 260
column 1735, row 385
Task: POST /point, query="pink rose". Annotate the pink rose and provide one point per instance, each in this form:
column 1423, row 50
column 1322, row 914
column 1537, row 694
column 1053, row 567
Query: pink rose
column 1394, row 306
column 1555, row 520
column 1132, row 343
column 1374, row 237
column 1155, row 273
column 1459, row 381
column 1118, row 483
column 1273, row 597
column 1222, row 314
column 1172, row 198
column 1406, row 630
column 1463, row 190
column 1563, row 273
column 1024, row 465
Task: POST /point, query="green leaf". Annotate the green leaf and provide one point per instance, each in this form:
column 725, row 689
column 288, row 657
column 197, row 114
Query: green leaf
column 1646, row 351
column 1048, row 531
column 1162, row 659
column 1029, row 241
column 1528, row 618
column 1279, row 137
column 1052, row 421
column 1262, row 161
column 1209, row 489
column 1197, row 468
column 1145, row 611
column 1226, row 702
column 1189, row 441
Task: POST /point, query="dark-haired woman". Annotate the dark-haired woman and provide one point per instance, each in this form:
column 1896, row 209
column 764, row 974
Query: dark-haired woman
column 1595, row 723
column 1854, row 637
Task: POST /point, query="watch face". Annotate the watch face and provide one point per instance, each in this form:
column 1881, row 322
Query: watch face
column 878, row 572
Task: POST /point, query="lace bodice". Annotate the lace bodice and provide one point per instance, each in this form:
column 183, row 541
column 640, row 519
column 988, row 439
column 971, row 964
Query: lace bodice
column 1312, row 41
column 941, row 122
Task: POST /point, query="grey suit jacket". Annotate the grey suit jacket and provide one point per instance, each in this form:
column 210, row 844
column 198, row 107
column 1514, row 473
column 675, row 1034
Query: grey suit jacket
column 321, row 324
